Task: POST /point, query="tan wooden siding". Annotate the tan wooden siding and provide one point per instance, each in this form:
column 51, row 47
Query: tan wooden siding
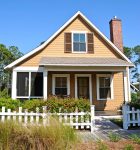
column 56, row 47
column 118, row 94
column 99, row 104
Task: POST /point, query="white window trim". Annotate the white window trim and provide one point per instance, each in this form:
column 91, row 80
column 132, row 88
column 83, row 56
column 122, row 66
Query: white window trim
column 79, row 32
column 90, row 85
column 97, row 86
column 26, row 69
column 61, row 75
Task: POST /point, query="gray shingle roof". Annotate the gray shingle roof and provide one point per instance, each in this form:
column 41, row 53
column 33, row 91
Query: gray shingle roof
column 78, row 61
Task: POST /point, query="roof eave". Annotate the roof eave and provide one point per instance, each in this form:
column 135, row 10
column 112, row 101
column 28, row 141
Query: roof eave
column 88, row 65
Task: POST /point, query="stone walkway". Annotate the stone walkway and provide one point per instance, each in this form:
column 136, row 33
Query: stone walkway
column 103, row 127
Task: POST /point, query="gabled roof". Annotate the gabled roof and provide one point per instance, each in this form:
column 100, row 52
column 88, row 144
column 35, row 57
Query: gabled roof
column 56, row 33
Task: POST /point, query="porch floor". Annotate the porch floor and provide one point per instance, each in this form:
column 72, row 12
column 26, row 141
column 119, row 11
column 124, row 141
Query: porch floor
column 108, row 113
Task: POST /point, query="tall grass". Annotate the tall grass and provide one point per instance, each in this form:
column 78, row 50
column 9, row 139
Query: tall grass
column 56, row 136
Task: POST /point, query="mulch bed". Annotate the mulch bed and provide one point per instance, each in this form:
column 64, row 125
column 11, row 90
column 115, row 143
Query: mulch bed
column 111, row 145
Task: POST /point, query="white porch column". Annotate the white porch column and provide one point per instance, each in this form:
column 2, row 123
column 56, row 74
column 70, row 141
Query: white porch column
column 125, row 86
column 14, row 83
column 128, row 81
column 45, row 84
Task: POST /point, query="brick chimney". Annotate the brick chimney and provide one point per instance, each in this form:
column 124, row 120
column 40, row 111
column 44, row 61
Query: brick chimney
column 116, row 32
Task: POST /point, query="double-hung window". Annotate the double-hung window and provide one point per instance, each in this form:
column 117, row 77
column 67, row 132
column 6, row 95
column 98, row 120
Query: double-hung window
column 60, row 85
column 79, row 42
column 104, row 87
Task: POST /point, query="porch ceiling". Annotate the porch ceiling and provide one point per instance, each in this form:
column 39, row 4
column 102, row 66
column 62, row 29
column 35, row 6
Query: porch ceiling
column 78, row 61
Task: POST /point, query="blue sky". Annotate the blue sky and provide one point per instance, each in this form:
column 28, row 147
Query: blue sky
column 26, row 23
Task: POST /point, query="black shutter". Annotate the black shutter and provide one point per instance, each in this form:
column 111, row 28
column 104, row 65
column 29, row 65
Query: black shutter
column 90, row 42
column 67, row 43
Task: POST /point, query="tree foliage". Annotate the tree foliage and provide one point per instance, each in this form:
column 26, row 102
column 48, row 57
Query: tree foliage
column 7, row 55
column 134, row 55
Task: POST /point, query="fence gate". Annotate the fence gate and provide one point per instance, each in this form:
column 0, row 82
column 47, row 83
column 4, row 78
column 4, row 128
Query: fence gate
column 131, row 116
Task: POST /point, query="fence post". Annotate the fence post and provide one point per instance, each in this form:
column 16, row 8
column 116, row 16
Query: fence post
column 9, row 114
column 25, row 116
column 65, row 117
column 31, row 117
column 82, row 120
column 60, row 116
column 92, row 107
column 76, row 117
column 3, row 112
column 20, row 116
column 44, row 115
column 125, row 124
column 14, row 115
column 37, row 115
column 138, row 116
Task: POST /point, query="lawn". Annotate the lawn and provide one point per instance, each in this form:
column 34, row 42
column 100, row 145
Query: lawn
column 118, row 122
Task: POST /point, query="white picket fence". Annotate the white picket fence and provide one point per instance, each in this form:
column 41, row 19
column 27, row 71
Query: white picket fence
column 131, row 116
column 78, row 120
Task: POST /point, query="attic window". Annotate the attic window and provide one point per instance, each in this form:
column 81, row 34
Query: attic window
column 79, row 42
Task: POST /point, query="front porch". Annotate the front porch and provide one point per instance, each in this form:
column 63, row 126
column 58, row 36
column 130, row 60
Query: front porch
column 106, row 87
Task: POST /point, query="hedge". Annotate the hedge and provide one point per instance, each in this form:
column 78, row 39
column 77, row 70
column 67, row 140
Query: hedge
column 53, row 104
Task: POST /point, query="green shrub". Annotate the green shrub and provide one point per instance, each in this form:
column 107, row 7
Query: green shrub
column 67, row 104
column 53, row 104
column 102, row 146
column 128, row 147
column 135, row 138
column 8, row 103
column 114, row 137
column 134, row 97
column 55, row 136
column 135, row 100
column 32, row 104
column 4, row 93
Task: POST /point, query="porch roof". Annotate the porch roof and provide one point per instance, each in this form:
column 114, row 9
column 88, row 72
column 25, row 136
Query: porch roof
column 82, row 61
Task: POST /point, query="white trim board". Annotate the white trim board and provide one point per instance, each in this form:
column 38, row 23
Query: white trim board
column 37, row 69
column 90, row 85
column 56, row 33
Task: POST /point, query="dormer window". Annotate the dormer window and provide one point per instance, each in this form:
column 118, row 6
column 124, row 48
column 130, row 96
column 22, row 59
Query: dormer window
column 79, row 42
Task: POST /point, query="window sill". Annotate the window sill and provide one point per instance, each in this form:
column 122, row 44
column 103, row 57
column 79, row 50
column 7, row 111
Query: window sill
column 105, row 99
column 79, row 52
column 29, row 97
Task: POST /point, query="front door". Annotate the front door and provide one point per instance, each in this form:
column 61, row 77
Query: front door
column 83, row 87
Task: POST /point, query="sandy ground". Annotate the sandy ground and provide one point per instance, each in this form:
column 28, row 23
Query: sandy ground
column 110, row 145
